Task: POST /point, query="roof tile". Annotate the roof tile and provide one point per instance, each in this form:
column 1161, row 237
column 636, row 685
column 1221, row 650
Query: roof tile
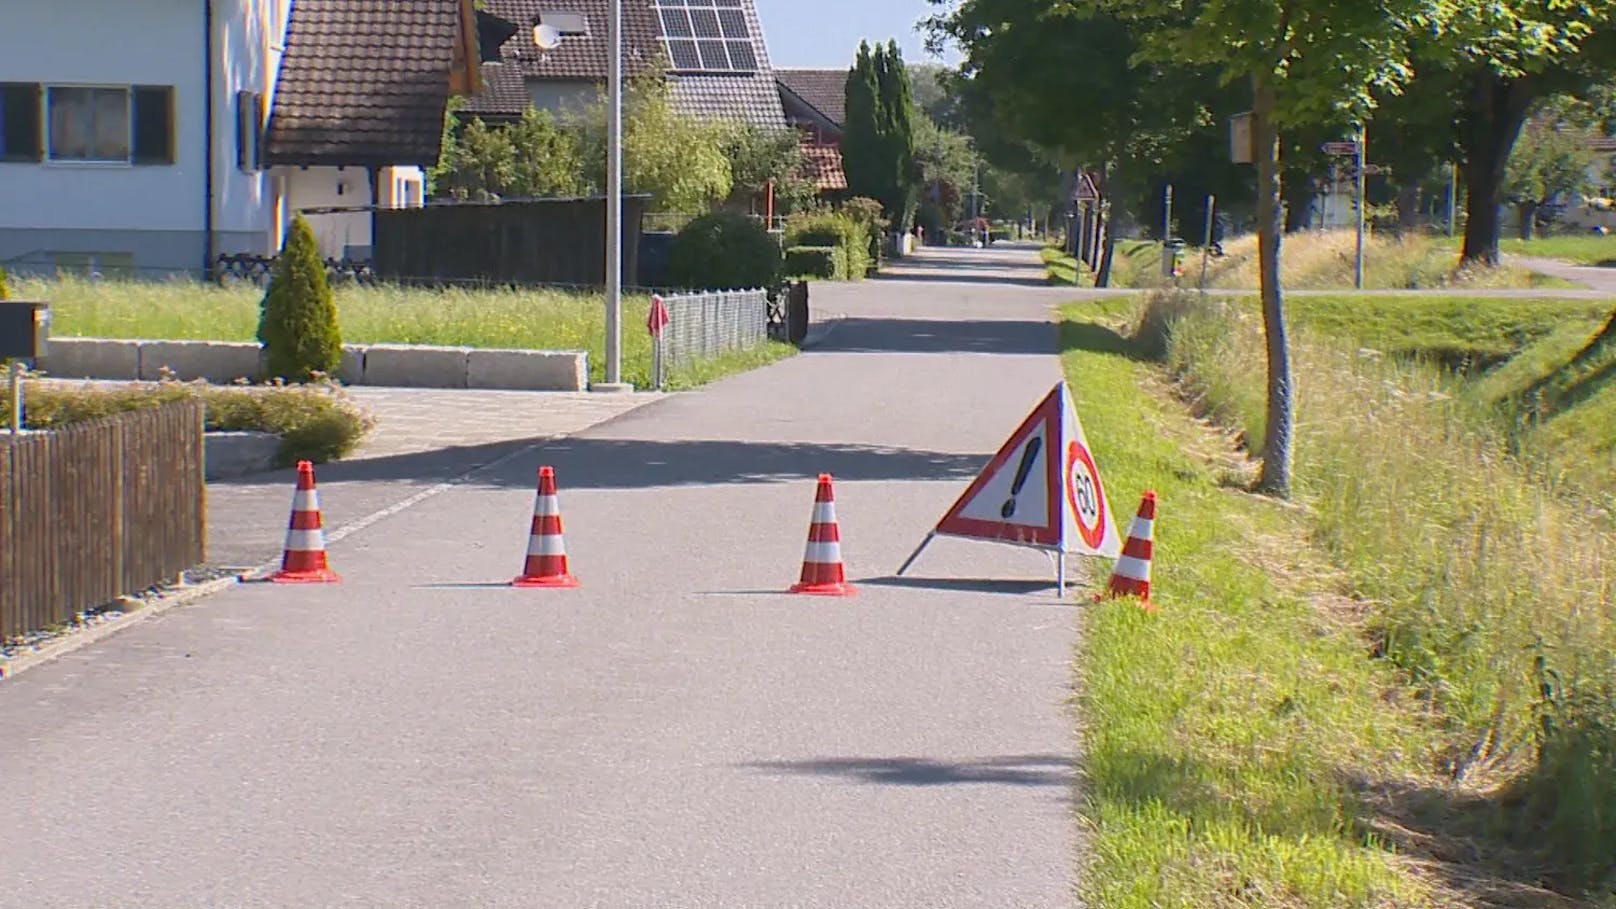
column 825, row 90
column 363, row 82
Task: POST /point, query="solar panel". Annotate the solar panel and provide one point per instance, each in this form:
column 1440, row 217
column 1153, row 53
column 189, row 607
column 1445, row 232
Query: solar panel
column 722, row 40
column 684, row 54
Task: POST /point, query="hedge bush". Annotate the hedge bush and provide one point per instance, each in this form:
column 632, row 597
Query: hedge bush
column 5, row 289
column 827, row 262
column 724, row 250
column 298, row 321
column 838, row 229
column 318, row 422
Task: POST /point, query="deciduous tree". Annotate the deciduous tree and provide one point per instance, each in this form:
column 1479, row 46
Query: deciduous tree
column 1304, row 63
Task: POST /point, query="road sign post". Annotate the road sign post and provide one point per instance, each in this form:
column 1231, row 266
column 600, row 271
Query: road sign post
column 1358, row 188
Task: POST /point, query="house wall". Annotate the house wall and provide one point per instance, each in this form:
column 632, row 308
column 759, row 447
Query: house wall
column 557, row 95
column 148, row 217
column 313, row 191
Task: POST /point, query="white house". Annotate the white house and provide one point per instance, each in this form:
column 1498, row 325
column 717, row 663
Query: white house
column 133, row 132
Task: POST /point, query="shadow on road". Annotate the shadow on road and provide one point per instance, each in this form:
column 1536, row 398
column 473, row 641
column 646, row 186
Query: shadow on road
column 1013, row 770
column 964, row 585
column 956, row 274
column 865, row 335
column 585, row 463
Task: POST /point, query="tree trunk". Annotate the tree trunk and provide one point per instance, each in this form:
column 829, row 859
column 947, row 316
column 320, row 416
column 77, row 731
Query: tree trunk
column 1527, row 212
column 1491, row 122
column 1409, row 209
column 1276, row 452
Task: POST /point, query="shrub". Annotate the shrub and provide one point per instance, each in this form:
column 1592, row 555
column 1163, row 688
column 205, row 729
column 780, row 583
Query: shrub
column 5, row 291
column 866, row 211
column 318, row 421
column 823, row 228
column 298, row 320
column 723, row 250
column 828, row 262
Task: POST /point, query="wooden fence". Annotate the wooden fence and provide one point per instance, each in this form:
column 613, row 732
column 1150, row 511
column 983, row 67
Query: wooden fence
column 98, row 509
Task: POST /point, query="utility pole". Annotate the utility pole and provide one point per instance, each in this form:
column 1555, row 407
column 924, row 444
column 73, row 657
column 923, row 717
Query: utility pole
column 1361, row 159
column 614, row 204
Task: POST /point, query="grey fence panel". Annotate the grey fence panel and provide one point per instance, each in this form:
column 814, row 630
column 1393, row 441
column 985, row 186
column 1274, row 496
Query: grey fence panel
column 705, row 325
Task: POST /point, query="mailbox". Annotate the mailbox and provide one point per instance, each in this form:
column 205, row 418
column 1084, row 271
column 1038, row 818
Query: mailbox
column 24, row 329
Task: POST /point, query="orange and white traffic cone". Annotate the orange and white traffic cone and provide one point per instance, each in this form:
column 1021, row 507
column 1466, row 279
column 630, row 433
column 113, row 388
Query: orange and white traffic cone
column 546, row 564
column 822, row 571
column 1131, row 576
column 303, row 561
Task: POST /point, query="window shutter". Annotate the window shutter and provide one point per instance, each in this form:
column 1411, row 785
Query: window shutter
column 243, row 132
column 258, row 131
column 20, row 121
column 154, row 124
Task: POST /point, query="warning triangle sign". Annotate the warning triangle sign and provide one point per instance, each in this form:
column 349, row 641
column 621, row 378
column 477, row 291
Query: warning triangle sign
column 1042, row 489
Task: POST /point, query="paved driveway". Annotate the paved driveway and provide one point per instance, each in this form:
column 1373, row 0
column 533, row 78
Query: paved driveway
column 675, row 733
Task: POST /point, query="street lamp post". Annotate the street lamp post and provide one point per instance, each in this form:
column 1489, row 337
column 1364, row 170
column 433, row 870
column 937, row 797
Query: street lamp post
column 614, row 205
column 547, row 37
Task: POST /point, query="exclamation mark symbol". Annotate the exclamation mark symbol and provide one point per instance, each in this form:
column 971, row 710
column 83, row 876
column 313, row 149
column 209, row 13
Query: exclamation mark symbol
column 1028, row 458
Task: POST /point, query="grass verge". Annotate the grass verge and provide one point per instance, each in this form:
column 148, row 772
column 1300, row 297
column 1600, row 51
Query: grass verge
column 317, row 422
column 1584, row 249
column 485, row 317
column 1494, row 597
column 1228, row 736
column 1059, row 267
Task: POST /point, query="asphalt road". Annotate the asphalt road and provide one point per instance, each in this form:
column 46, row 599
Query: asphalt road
column 675, row 733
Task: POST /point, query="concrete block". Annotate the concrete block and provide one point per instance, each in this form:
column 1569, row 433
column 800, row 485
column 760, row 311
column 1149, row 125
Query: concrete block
column 352, row 369
column 528, row 370
column 214, row 361
column 234, row 454
column 409, row 366
column 92, row 358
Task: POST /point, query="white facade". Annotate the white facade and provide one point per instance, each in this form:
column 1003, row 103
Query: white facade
column 336, row 200
column 148, row 217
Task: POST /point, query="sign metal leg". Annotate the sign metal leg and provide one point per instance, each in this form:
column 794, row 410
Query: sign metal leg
column 916, row 554
column 1060, row 574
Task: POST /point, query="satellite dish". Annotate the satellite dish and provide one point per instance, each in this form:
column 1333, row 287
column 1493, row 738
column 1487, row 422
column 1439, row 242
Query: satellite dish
column 547, row 37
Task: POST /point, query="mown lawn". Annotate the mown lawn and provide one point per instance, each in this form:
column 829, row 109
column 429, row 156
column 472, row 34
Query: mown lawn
column 522, row 319
column 1228, row 735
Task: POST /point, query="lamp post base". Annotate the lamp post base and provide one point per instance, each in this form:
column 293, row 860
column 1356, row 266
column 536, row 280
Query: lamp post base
column 609, row 388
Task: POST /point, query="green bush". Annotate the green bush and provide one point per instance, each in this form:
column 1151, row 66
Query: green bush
column 825, row 228
column 828, row 262
column 723, row 250
column 5, row 290
column 317, row 422
column 866, row 211
column 298, row 320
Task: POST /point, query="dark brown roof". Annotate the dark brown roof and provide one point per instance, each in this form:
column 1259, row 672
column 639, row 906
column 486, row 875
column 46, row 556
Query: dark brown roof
column 738, row 97
column 825, row 90
column 504, row 93
column 364, row 82
column 580, row 57
column 748, row 96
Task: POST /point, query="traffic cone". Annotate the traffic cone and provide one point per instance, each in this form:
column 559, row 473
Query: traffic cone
column 1131, row 576
column 546, row 564
column 822, row 571
column 303, row 562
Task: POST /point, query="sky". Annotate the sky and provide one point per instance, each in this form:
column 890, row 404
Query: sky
column 826, row 33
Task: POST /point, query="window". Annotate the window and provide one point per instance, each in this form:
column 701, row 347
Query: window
column 122, row 124
column 19, row 121
column 249, row 132
column 707, row 35
column 569, row 24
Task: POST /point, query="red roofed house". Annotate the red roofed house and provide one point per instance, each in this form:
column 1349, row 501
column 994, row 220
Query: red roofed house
column 815, row 103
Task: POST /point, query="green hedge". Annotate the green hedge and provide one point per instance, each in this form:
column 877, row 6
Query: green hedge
column 316, row 421
column 827, row 262
column 849, row 235
column 723, row 250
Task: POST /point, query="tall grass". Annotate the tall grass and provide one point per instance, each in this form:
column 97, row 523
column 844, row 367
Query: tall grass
column 1225, row 734
column 460, row 317
column 1496, row 597
column 1325, row 261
